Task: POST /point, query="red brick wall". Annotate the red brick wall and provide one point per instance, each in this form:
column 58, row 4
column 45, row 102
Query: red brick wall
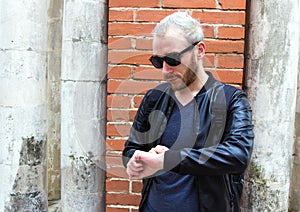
column 130, row 74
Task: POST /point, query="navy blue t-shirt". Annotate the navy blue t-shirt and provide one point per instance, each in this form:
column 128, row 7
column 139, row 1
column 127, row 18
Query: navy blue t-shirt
column 171, row 191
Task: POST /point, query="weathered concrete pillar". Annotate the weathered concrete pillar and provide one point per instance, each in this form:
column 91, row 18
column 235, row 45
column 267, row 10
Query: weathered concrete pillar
column 83, row 89
column 271, row 76
column 23, row 108
column 55, row 14
column 295, row 182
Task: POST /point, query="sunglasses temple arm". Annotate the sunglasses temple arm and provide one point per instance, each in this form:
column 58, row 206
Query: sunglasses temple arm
column 188, row 48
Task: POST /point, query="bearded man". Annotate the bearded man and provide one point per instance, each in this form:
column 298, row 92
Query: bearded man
column 192, row 137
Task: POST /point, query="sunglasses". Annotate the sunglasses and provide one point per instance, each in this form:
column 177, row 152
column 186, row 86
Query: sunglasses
column 172, row 59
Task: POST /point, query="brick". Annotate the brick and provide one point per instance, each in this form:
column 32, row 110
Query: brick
column 231, row 76
column 119, row 43
column 134, row 3
column 137, row 186
column 125, row 29
column 132, row 114
column 209, row 60
column 149, row 73
column 123, row 199
column 118, row 101
column 115, row 144
column 118, row 129
column 120, row 15
column 119, row 72
column 120, row 115
column 231, row 32
column 220, row 17
column 137, row 100
column 152, row 15
column 117, row 185
column 224, row 46
column 189, row 4
column 119, row 172
column 231, row 61
column 230, row 4
column 129, row 57
column 208, row 31
column 130, row 29
column 143, row 44
column 115, row 209
column 114, row 161
column 114, row 158
column 130, row 86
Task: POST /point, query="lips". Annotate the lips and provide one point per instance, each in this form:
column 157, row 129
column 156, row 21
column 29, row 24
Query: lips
column 171, row 77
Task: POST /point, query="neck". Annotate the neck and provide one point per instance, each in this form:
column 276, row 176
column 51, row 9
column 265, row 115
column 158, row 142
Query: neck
column 185, row 95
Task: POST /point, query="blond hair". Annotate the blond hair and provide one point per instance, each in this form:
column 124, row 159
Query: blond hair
column 190, row 27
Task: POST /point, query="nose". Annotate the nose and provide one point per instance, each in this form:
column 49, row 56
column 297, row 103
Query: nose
column 166, row 69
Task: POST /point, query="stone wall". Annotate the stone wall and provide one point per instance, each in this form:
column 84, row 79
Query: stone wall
column 271, row 83
column 23, row 105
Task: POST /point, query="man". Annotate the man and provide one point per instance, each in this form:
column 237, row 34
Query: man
column 192, row 138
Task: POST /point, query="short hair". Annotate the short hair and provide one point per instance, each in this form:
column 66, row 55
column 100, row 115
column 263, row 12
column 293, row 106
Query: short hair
column 190, row 27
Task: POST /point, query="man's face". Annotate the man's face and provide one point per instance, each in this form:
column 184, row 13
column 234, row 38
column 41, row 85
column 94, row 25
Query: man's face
column 181, row 76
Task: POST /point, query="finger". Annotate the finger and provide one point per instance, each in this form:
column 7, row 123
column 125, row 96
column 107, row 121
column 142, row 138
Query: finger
column 135, row 177
column 155, row 150
column 152, row 150
column 134, row 161
column 160, row 149
column 131, row 172
column 136, row 155
column 163, row 148
column 135, row 167
column 137, row 164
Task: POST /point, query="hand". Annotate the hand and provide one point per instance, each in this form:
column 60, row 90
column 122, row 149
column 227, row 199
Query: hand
column 134, row 167
column 151, row 163
column 159, row 149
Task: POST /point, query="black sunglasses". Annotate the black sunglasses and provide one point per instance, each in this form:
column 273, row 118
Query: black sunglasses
column 172, row 59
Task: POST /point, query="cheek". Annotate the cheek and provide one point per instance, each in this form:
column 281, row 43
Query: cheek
column 194, row 64
column 185, row 60
column 180, row 70
column 189, row 63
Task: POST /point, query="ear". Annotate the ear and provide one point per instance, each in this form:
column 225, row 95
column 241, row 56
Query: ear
column 201, row 50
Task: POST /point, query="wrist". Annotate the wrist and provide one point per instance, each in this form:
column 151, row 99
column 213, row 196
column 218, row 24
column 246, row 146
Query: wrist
column 161, row 161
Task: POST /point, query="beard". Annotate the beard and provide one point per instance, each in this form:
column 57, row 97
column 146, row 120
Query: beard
column 189, row 76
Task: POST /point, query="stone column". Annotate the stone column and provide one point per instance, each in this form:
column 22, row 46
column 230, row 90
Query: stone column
column 54, row 75
column 295, row 182
column 271, row 77
column 83, row 89
column 23, row 107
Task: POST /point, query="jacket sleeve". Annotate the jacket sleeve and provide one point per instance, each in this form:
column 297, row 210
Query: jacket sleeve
column 138, row 132
column 148, row 125
column 230, row 156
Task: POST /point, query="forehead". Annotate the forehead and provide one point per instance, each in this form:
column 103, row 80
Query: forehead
column 171, row 41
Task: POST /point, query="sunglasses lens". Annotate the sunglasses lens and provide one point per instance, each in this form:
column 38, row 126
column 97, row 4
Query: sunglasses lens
column 173, row 59
column 156, row 61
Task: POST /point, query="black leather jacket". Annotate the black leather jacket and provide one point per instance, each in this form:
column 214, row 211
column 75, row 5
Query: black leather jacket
column 222, row 148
